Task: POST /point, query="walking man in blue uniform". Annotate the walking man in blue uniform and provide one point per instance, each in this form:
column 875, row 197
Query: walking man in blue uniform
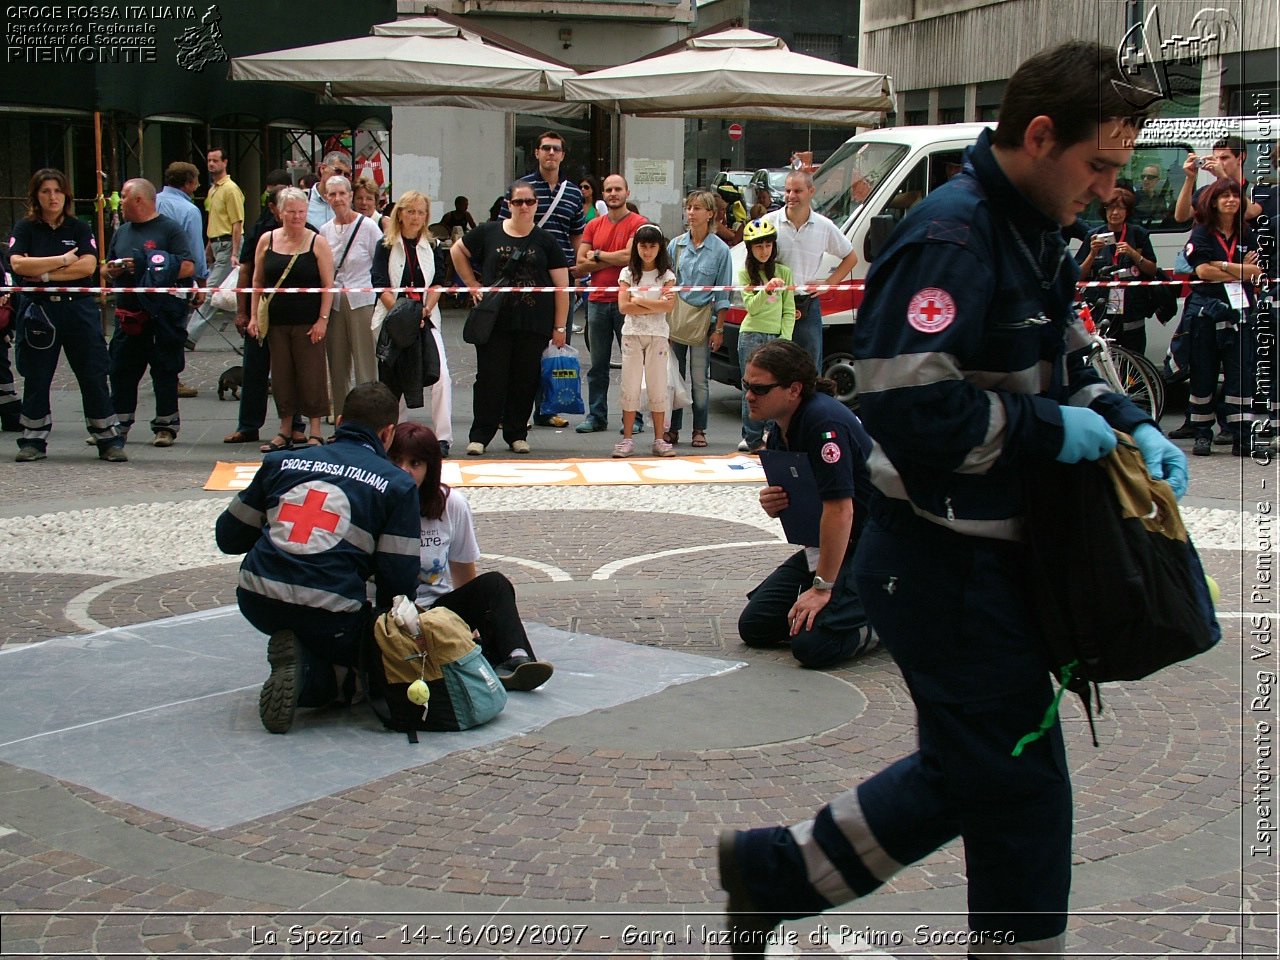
column 963, row 344
column 316, row 525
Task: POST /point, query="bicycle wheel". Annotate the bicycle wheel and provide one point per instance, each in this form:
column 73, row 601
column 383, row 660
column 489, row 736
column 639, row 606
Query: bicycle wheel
column 1136, row 377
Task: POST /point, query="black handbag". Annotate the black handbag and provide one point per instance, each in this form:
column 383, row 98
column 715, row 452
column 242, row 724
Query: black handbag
column 482, row 318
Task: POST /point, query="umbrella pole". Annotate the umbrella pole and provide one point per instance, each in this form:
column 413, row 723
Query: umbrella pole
column 99, row 203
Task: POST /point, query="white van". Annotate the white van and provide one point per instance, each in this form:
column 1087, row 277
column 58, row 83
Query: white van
column 902, row 164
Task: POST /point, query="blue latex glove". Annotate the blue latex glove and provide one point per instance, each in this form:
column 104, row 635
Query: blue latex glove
column 1085, row 435
column 1164, row 460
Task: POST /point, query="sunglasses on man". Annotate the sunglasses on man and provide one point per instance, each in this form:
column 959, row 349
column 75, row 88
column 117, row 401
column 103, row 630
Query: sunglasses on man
column 759, row 389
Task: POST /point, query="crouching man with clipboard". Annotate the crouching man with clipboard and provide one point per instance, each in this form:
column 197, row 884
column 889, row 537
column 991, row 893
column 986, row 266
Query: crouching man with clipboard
column 815, row 460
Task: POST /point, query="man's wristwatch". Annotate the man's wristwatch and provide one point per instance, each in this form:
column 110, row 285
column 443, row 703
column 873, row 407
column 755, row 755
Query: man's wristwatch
column 820, row 584
column 595, row 255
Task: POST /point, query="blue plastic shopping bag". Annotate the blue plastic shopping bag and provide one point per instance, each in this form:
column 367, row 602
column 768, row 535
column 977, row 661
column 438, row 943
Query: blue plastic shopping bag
column 561, row 382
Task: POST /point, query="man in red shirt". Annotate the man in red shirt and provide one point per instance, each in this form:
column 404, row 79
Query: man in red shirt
column 605, row 249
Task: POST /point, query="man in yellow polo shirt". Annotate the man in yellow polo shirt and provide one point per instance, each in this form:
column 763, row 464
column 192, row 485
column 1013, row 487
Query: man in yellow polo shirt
column 225, row 206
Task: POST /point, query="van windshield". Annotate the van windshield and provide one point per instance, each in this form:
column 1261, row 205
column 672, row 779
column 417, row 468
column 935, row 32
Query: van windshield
column 851, row 175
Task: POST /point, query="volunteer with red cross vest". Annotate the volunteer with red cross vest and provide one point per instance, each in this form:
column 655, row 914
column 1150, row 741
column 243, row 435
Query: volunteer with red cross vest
column 315, row 525
column 50, row 247
column 803, row 237
column 968, row 375
column 810, row 602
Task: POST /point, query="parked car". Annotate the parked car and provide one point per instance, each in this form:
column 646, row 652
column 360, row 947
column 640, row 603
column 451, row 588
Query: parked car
column 767, row 186
column 739, row 178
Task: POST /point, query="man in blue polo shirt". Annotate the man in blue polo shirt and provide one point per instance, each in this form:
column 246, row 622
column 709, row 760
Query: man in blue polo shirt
column 559, row 213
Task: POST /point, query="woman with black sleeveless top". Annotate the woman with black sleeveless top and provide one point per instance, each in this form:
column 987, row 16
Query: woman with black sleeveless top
column 295, row 257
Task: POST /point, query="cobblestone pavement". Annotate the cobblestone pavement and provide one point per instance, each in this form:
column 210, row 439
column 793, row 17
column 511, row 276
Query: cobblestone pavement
column 572, row 833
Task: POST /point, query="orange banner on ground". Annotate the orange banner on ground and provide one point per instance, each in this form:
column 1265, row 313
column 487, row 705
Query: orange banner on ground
column 735, row 468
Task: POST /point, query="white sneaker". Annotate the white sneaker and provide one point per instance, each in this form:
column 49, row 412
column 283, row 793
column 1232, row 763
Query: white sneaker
column 663, row 449
column 520, row 446
column 624, row 447
column 475, row 449
column 743, row 446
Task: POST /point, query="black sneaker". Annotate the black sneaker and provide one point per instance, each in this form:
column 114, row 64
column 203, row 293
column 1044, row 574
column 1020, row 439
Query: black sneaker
column 1203, row 447
column 278, row 700
column 523, row 673
column 1225, row 439
column 1184, row 432
column 748, row 928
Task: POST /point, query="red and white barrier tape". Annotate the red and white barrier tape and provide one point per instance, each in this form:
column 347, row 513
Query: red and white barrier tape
column 817, row 289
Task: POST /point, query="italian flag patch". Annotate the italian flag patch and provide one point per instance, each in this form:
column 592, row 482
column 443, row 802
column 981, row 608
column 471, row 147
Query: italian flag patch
column 829, row 435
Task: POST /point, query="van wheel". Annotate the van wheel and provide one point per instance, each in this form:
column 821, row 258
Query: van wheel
column 839, row 367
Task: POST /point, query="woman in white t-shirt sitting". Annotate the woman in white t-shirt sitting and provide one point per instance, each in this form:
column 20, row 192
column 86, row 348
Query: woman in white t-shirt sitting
column 449, row 551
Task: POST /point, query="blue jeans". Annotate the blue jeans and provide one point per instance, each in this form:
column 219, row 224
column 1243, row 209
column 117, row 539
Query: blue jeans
column 808, row 330
column 752, row 430
column 695, row 366
column 218, row 271
column 79, row 333
column 604, row 326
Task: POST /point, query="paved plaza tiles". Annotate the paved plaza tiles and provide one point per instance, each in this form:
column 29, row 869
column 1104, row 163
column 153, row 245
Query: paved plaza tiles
column 570, row 832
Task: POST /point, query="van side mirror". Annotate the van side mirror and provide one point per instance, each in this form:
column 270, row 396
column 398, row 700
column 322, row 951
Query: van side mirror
column 878, row 231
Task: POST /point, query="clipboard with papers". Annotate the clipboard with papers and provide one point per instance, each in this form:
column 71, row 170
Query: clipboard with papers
column 802, row 520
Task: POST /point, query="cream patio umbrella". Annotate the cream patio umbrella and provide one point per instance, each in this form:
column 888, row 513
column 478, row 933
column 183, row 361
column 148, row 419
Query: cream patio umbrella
column 414, row 61
column 739, row 73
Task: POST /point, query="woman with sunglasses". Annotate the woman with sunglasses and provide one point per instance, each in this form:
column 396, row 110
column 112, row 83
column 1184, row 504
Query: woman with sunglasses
column 592, row 198
column 513, row 253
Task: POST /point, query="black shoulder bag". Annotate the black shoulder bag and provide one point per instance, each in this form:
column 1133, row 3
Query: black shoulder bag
column 484, row 315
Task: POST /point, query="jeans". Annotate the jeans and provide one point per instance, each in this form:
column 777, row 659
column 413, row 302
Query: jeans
column 218, row 271
column 253, row 393
column 807, row 332
column 79, row 333
column 604, row 326
column 752, row 430
column 695, row 366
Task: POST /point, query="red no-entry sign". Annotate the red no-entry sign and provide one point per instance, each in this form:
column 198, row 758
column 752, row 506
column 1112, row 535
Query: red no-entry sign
column 735, row 131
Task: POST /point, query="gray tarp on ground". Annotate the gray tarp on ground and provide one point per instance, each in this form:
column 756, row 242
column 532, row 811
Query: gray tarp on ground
column 164, row 715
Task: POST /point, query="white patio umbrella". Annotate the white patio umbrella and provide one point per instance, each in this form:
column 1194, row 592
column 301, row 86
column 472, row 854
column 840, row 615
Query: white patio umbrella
column 738, row 73
column 422, row 57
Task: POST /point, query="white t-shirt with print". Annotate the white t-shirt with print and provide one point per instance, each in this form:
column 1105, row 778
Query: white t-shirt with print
column 648, row 287
column 451, row 539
